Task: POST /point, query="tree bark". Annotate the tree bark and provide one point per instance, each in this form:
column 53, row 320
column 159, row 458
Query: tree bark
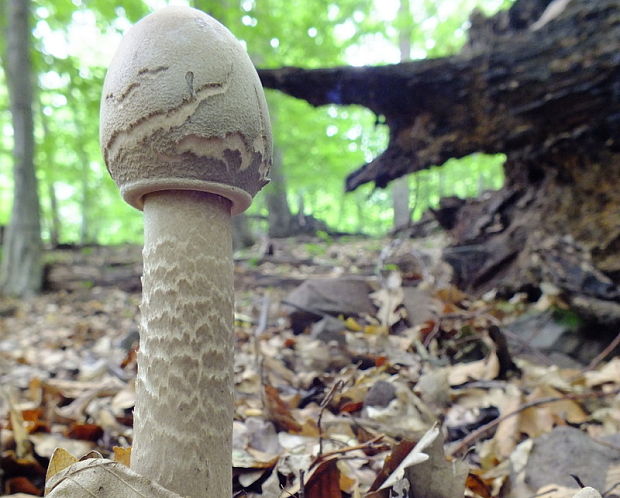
column 242, row 234
column 400, row 187
column 537, row 83
column 21, row 273
column 280, row 216
column 49, row 148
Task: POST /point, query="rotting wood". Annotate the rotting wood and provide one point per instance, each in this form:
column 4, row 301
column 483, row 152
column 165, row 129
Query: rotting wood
column 545, row 94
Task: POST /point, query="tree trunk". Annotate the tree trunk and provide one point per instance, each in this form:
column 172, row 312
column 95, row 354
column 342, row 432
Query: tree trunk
column 539, row 84
column 49, row 148
column 21, row 272
column 400, row 187
column 54, row 226
column 280, row 217
column 241, row 234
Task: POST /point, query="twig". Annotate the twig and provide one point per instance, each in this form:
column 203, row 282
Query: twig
column 328, row 397
column 614, row 486
column 475, row 435
column 548, row 491
column 603, row 354
column 348, row 449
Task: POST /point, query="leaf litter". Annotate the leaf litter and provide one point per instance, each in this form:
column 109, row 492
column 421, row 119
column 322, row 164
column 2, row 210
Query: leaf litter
column 359, row 371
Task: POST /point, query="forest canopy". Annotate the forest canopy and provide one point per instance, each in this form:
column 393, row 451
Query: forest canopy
column 73, row 42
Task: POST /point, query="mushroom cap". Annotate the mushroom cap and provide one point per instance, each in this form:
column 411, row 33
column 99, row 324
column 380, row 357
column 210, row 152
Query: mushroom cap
column 183, row 109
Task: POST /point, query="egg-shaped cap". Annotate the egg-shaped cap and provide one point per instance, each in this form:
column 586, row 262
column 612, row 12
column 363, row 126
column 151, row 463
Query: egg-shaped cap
column 183, row 109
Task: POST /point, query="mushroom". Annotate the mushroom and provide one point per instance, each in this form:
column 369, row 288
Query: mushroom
column 185, row 134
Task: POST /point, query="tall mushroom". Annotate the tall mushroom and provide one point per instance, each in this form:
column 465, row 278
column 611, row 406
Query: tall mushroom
column 185, row 134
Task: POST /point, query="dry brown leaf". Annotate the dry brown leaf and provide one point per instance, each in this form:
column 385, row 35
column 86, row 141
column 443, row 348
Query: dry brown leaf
column 389, row 299
column 564, row 409
column 609, row 373
column 485, row 369
column 61, row 459
column 398, row 462
column 85, row 432
column 536, row 421
column 122, row 455
column 21, row 484
column 478, row 485
column 279, row 411
column 324, row 482
column 508, row 431
column 391, row 462
column 451, row 295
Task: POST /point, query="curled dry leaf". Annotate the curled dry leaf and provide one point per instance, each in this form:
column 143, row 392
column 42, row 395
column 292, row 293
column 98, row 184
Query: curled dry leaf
column 61, row 459
column 485, row 369
column 102, row 477
column 609, row 373
column 324, row 482
column 279, row 411
column 414, row 457
column 437, row 477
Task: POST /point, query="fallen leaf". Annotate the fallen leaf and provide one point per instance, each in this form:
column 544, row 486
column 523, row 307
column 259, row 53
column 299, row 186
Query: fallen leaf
column 86, row 432
column 21, row 484
column 279, row 411
column 437, row 477
column 508, row 432
column 610, row 372
column 61, row 459
column 485, row 369
column 476, row 484
column 122, row 455
column 324, row 482
column 88, row 477
column 414, row 457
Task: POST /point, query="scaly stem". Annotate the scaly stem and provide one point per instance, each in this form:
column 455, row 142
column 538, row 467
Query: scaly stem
column 184, row 389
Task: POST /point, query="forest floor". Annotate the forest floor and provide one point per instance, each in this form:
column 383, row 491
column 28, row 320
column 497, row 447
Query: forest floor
column 359, row 371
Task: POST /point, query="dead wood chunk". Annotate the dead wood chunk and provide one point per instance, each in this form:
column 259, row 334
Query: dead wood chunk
column 537, row 82
column 315, row 298
column 447, row 212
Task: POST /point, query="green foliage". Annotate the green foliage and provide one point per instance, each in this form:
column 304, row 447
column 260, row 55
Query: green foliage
column 74, row 40
column 315, row 249
column 568, row 318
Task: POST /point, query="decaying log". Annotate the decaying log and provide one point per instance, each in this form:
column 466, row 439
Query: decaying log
column 531, row 89
column 539, row 83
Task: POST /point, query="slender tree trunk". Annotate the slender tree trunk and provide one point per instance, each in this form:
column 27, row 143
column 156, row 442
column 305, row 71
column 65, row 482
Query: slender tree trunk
column 54, row 221
column 86, row 235
column 54, row 217
column 85, row 232
column 280, row 217
column 400, row 187
column 241, row 235
column 359, row 209
column 21, row 270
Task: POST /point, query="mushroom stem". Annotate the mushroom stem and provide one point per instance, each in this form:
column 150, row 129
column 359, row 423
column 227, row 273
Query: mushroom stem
column 184, row 389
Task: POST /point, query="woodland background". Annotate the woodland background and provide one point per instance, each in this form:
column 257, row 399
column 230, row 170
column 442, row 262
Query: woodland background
column 74, row 40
